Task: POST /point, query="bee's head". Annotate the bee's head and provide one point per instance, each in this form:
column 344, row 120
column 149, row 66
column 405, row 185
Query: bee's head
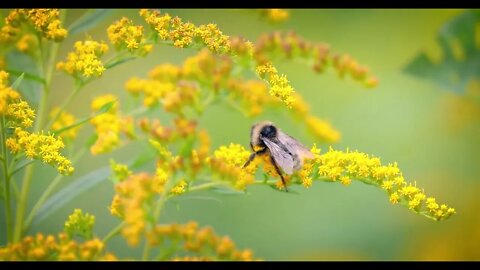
column 268, row 131
column 265, row 129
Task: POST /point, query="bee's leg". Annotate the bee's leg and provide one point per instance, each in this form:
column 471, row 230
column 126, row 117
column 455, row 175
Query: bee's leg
column 279, row 173
column 252, row 156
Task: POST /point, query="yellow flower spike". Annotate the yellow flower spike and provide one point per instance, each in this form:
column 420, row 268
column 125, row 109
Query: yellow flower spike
column 107, row 125
column 322, row 129
column 279, row 85
column 85, row 60
column 356, row 165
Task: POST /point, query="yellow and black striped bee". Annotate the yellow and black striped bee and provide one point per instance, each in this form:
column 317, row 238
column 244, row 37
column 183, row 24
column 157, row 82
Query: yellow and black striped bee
column 284, row 151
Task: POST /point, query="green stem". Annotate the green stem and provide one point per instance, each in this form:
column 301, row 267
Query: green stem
column 205, row 186
column 157, row 211
column 113, row 232
column 65, row 104
column 21, row 167
column 8, row 207
column 48, row 191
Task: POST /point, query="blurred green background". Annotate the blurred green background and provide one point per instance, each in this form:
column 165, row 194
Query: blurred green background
column 432, row 133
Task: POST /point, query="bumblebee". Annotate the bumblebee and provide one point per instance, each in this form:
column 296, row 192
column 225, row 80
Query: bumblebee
column 285, row 152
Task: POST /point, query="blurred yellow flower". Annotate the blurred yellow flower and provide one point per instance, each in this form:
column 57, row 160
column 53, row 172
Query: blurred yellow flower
column 44, row 21
column 276, row 14
column 65, row 119
column 49, row 248
column 107, row 125
column 200, row 243
column 124, row 34
column 322, row 129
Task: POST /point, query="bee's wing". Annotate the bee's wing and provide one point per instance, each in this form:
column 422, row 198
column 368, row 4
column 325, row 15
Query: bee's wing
column 283, row 158
column 294, row 146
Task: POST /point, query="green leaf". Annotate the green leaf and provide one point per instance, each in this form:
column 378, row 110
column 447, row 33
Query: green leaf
column 17, row 82
column 119, row 61
column 26, row 75
column 19, row 63
column 105, row 108
column 77, row 187
column 89, row 20
column 456, row 37
column 70, row 192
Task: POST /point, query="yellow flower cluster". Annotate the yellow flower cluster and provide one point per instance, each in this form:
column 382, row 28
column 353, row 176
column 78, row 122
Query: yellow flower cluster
column 227, row 161
column 49, row 248
column 65, row 119
column 42, row 147
column 276, row 14
column 135, row 193
column 79, row 224
column 85, row 60
column 201, row 241
column 344, row 166
column 186, row 34
column 124, row 34
column 7, row 94
column 290, row 45
column 35, row 145
column 44, row 21
column 279, row 85
column 120, row 171
column 27, row 43
column 252, row 93
column 107, row 125
column 20, row 113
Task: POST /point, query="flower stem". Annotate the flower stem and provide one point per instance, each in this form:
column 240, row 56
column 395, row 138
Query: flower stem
column 53, row 184
column 113, row 232
column 8, row 207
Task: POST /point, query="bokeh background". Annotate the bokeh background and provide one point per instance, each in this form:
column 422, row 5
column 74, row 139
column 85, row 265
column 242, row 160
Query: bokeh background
column 431, row 132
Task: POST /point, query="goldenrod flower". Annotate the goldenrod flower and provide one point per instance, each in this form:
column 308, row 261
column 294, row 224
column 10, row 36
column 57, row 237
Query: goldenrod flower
column 322, row 129
column 51, row 248
column 65, row 119
column 120, row 171
column 7, row 94
column 107, row 125
column 79, row 224
column 228, row 162
column 85, row 60
column 27, row 43
column 21, row 113
column 279, row 85
column 199, row 243
column 276, row 14
column 336, row 165
column 44, row 21
column 185, row 34
column 124, row 34
column 42, row 147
